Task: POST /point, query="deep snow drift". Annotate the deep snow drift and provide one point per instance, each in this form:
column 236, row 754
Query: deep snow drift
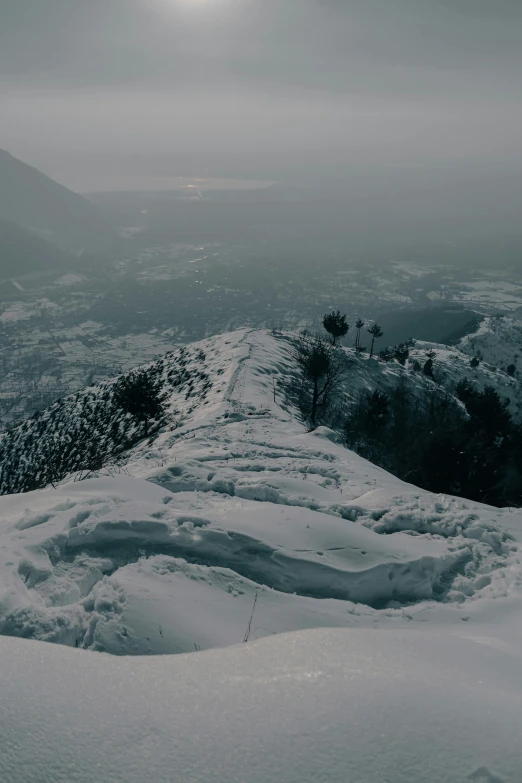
column 239, row 525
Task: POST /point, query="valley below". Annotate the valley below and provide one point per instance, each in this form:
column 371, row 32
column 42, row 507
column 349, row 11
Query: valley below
column 201, row 563
column 62, row 330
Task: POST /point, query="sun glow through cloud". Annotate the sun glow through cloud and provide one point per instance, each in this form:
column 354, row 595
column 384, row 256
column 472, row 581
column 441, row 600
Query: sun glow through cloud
column 199, row 9
column 195, row 4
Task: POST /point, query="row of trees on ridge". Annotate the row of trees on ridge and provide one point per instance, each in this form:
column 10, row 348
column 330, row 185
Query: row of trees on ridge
column 337, row 327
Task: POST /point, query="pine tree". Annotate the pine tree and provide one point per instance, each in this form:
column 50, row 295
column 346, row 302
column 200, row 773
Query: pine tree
column 377, row 412
column 140, row 395
column 401, row 353
column 322, row 367
column 335, row 324
column 375, row 332
column 428, row 366
column 358, row 325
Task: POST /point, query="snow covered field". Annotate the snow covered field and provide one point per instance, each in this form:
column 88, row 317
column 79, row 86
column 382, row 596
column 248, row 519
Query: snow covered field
column 333, row 706
column 405, row 660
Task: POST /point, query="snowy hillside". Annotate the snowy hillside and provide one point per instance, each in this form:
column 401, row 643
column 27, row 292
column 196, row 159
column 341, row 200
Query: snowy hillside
column 86, row 430
column 230, row 524
column 79, row 433
column 497, row 341
column 240, row 501
column 450, row 366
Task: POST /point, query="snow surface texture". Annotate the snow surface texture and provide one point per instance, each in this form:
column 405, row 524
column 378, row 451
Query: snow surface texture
column 329, row 706
column 239, row 524
column 246, row 526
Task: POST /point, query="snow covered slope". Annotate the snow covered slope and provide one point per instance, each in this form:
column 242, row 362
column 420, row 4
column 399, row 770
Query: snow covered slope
column 451, row 365
column 238, row 524
column 497, row 341
column 78, row 433
column 74, row 433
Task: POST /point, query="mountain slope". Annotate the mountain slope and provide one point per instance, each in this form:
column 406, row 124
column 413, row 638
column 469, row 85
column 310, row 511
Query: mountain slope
column 451, row 365
column 231, row 506
column 36, row 202
column 22, row 252
column 78, row 432
column 231, row 522
column 497, row 341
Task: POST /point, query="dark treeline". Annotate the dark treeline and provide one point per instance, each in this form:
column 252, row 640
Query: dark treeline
column 466, row 445
column 463, row 443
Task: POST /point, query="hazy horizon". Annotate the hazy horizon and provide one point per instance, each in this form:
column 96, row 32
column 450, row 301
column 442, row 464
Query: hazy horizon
column 109, row 95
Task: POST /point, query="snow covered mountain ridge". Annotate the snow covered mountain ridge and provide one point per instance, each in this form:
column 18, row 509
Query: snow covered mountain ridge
column 240, row 505
column 86, row 431
column 231, row 523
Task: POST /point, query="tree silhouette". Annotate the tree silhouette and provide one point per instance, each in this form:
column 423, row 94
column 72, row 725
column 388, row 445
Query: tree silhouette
column 322, row 367
column 140, row 395
column 424, row 436
column 428, row 366
column 376, row 413
column 401, row 353
column 375, row 332
column 358, row 325
column 335, row 324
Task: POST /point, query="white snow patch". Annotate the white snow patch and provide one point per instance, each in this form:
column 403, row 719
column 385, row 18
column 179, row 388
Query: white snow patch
column 328, row 705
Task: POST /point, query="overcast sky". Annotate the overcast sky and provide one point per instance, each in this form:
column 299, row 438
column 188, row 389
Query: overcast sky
column 88, row 85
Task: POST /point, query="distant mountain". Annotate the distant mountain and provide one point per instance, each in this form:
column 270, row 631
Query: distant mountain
column 22, row 251
column 34, row 201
